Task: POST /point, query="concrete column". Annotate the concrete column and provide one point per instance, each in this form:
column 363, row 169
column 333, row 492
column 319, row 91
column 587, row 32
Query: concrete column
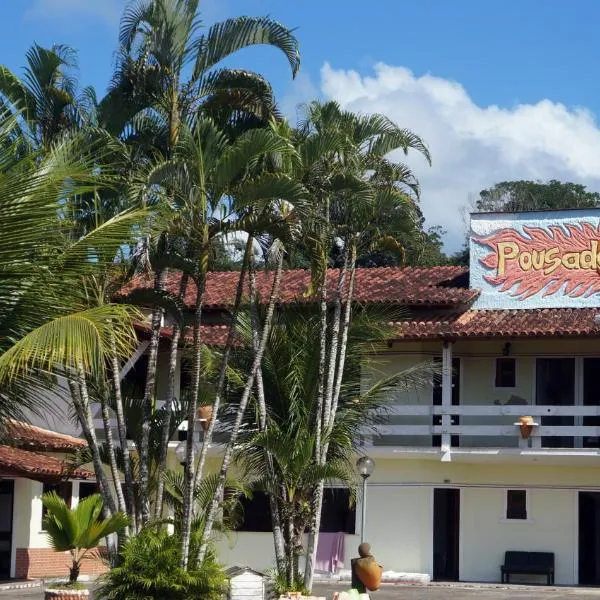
column 446, row 394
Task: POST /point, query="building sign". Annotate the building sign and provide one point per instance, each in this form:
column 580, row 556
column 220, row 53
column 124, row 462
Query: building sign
column 536, row 259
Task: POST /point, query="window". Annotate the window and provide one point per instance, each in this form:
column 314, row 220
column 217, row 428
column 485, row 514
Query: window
column 506, row 373
column 87, row 489
column 256, row 513
column 516, row 504
column 64, row 489
column 337, row 513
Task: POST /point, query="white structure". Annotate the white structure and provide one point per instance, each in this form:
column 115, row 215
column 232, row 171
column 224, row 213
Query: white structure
column 246, row 584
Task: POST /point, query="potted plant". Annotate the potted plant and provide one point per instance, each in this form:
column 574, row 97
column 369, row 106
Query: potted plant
column 79, row 531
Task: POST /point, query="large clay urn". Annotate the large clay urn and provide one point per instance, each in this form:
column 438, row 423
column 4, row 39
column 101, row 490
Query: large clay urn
column 204, row 415
column 366, row 569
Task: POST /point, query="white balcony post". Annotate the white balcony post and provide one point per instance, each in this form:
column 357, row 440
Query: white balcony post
column 446, row 394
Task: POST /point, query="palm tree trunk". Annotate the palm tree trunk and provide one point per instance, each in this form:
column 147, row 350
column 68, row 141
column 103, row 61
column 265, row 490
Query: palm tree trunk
column 149, row 392
column 342, row 333
column 290, row 536
column 188, row 492
column 333, row 347
column 122, row 431
column 166, row 429
column 224, row 363
column 112, row 457
column 228, row 455
column 81, row 402
column 344, row 336
column 311, row 550
column 262, row 417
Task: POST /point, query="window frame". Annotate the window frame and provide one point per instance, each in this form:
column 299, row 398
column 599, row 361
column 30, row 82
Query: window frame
column 495, row 374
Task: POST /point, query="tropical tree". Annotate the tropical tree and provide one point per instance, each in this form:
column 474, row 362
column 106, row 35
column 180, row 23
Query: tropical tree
column 280, row 447
column 168, row 71
column 149, row 568
column 46, row 100
column 46, row 324
column 352, row 180
column 167, row 76
column 513, row 196
column 218, row 186
column 78, row 530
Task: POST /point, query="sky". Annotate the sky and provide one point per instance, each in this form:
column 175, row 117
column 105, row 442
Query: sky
column 499, row 89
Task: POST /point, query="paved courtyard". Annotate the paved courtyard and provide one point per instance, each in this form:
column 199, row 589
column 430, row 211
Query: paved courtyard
column 426, row 592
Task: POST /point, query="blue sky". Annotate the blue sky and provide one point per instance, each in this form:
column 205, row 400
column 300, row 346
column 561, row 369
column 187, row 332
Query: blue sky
column 499, row 90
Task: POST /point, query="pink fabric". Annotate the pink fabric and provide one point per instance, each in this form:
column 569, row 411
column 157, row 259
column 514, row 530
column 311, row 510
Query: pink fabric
column 330, row 552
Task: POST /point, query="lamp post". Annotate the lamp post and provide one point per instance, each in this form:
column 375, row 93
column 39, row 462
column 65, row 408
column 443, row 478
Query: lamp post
column 365, row 467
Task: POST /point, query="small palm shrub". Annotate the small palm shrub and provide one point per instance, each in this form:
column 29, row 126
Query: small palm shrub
column 149, row 570
column 78, row 530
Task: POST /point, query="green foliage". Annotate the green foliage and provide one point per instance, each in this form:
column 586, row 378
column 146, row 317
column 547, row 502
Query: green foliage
column 150, row 570
column 280, row 457
column 521, row 195
column 279, row 584
column 46, row 322
column 78, row 530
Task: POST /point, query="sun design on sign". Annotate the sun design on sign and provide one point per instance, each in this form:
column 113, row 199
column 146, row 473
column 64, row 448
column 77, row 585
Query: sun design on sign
column 555, row 260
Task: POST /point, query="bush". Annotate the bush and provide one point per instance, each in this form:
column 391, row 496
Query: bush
column 149, row 570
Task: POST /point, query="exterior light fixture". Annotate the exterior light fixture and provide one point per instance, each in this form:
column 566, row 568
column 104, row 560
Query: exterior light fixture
column 365, row 466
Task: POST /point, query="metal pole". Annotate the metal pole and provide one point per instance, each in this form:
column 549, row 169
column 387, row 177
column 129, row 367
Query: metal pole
column 364, row 509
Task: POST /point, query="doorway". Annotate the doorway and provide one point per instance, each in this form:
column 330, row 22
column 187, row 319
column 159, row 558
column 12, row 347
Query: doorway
column 589, row 538
column 6, row 520
column 436, row 440
column 446, row 534
column 555, row 386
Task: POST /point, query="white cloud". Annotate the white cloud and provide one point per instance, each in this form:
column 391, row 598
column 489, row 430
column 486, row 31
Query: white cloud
column 472, row 146
column 68, row 11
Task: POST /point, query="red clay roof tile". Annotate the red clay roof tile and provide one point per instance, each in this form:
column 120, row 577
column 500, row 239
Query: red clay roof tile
column 429, row 286
column 36, row 438
column 540, row 322
column 16, row 462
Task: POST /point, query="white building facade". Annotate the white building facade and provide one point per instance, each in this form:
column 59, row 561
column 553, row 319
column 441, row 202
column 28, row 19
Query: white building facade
column 502, row 452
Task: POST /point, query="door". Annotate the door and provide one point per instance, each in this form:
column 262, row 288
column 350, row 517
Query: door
column 6, row 519
column 436, row 440
column 555, row 386
column 446, row 534
column 589, row 538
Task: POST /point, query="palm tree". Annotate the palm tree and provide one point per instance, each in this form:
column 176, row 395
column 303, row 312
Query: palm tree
column 216, row 184
column 46, row 325
column 352, row 180
column 46, row 98
column 281, row 452
column 78, row 530
column 153, row 98
column 167, row 72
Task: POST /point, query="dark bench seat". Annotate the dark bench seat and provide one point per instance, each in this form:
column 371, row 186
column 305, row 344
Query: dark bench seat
column 528, row 563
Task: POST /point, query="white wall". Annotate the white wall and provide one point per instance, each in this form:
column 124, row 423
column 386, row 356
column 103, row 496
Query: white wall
column 400, row 517
column 551, row 526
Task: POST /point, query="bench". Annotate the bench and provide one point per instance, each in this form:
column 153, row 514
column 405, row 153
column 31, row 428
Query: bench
column 528, row 563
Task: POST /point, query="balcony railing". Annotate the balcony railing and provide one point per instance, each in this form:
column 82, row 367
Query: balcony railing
column 490, row 426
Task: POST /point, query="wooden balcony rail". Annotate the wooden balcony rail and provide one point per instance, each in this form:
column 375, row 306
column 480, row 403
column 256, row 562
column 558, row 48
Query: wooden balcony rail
column 445, row 422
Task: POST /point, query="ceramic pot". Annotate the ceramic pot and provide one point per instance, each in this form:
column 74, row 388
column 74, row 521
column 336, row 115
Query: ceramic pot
column 526, row 425
column 204, row 415
column 369, row 572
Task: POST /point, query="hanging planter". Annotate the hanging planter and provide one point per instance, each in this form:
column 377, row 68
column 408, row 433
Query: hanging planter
column 526, row 425
column 204, row 415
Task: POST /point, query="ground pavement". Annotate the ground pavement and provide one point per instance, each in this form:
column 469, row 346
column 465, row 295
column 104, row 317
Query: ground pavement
column 421, row 592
